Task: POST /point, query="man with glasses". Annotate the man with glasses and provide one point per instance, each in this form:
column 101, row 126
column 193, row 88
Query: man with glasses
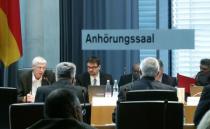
column 203, row 77
column 93, row 76
column 30, row 80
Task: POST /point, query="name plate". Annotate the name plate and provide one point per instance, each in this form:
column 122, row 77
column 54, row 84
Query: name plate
column 137, row 39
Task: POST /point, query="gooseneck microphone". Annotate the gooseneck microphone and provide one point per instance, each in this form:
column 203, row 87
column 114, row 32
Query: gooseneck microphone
column 84, row 103
column 47, row 80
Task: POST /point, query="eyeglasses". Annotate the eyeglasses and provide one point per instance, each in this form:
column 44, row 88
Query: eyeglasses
column 92, row 67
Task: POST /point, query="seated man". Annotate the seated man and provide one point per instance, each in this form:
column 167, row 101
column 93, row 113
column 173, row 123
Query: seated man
column 62, row 110
column 135, row 75
column 65, row 76
column 30, row 80
column 203, row 105
column 164, row 78
column 93, row 76
column 203, row 77
column 149, row 69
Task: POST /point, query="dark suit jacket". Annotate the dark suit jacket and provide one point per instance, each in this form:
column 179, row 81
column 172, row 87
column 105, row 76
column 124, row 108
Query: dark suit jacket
column 166, row 79
column 84, row 79
column 44, row 91
column 203, row 105
column 60, row 123
column 143, row 84
column 25, row 81
column 125, row 79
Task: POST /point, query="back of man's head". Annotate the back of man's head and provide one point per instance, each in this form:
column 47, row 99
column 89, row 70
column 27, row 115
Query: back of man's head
column 62, row 103
column 65, row 70
column 149, row 67
column 205, row 64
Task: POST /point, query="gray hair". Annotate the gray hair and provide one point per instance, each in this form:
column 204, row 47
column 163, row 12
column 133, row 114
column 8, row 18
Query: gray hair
column 149, row 67
column 38, row 60
column 65, row 70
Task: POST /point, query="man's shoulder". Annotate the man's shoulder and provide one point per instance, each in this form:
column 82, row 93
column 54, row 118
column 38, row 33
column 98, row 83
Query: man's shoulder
column 57, row 122
column 126, row 76
column 126, row 86
column 44, row 88
column 160, row 85
column 105, row 74
column 25, row 73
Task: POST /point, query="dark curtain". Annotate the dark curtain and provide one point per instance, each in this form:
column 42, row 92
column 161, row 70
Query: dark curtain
column 71, row 23
column 95, row 14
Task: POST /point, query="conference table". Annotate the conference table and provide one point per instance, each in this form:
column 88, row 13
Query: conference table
column 102, row 109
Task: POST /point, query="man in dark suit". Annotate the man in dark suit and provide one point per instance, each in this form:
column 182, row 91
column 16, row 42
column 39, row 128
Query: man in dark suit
column 30, row 80
column 135, row 75
column 62, row 110
column 164, row 78
column 65, row 76
column 93, row 76
column 149, row 69
column 203, row 77
column 203, row 105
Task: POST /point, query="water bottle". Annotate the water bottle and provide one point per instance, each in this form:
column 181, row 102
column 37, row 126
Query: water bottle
column 115, row 89
column 108, row 92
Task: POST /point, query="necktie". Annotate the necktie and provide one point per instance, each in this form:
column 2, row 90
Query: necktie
column 94, row 82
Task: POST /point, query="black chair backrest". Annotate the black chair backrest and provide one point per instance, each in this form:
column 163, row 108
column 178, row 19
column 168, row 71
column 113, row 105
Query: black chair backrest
column 23, row 115
column 8, row 95
column 144, row 95
column 149, row 115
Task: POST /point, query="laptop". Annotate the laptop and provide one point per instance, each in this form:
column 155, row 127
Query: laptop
column 98, row 91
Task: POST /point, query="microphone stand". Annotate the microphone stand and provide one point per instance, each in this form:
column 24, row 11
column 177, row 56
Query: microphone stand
column 84, row 103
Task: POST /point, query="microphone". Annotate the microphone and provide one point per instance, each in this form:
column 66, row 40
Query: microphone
column 84, row 103
column 47, row 80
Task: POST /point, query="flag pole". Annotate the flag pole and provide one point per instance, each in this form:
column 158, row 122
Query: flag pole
column 5, row 81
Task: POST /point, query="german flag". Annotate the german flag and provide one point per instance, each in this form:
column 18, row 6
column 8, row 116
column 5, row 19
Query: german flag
column 10, row 32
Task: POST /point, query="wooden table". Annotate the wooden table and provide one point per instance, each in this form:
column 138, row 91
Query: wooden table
column 189, row 112
column 102, row 115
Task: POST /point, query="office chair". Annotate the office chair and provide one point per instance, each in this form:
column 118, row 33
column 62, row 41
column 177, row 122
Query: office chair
column 8, row 95
column 149, row 115
column 23, row 115
column 144, row 95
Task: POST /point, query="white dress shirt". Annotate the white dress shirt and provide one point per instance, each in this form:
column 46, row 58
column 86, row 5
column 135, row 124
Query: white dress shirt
column 35, row 84
column 97, row 80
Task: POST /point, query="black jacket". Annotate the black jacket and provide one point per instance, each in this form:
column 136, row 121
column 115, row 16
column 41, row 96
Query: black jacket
column 44, row 91
column 203, row 105
column 59, row 123
column 25, row 81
